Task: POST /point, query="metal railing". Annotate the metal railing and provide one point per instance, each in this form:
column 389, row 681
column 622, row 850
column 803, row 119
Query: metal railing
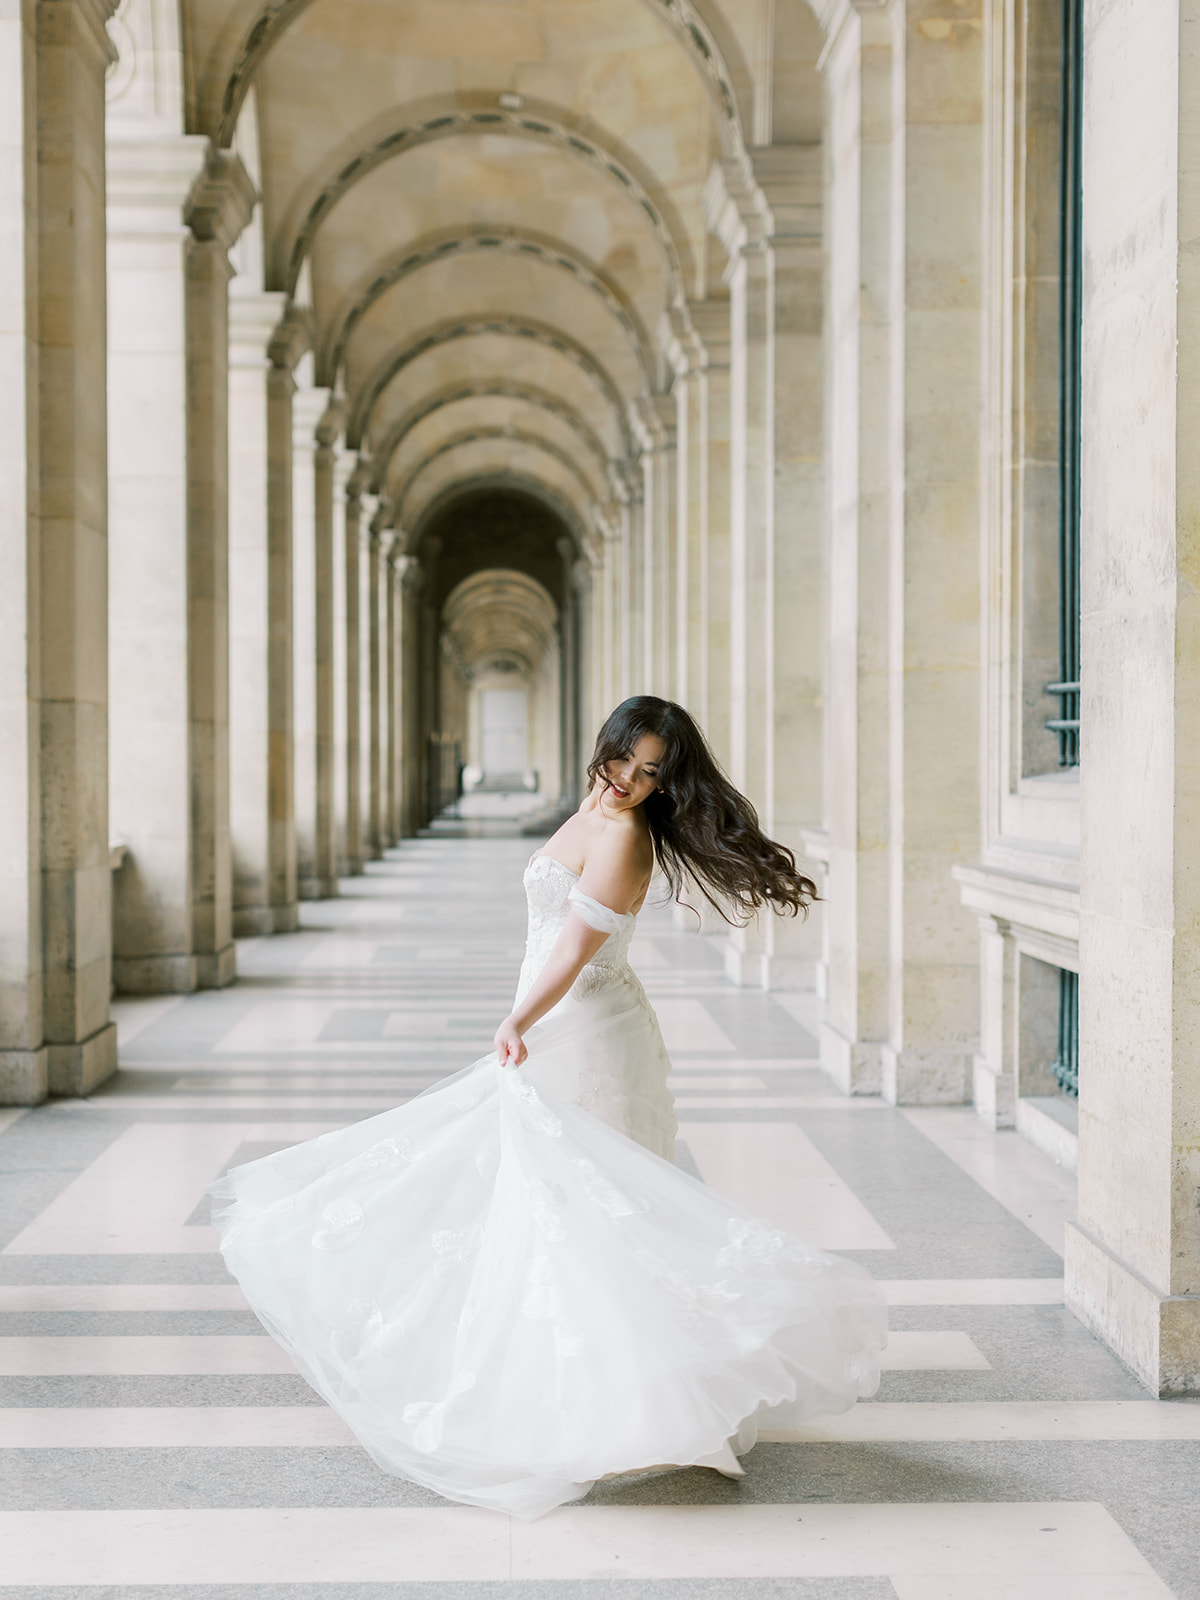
column 1070, row 338
column 1066, row 1062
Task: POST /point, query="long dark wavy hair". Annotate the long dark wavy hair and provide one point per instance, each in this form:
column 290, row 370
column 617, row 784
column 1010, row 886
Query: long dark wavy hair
column 703, row 830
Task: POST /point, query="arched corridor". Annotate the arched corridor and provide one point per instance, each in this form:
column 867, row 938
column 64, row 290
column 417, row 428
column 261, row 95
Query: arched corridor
column 162, row 1439
column 392, row 387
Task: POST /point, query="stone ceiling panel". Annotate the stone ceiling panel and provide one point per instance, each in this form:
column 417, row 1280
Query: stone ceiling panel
column 492, row 460
column 493, row 358
column 482, row 286
column 487, row 413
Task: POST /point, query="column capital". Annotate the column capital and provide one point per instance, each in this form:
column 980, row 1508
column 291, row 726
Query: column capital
column 735, row 208
column 710, row 319
column 221, row 201
column 253, row 319
column 292, row 338
column 308, row 407
column 791, row 178
column 148, row 181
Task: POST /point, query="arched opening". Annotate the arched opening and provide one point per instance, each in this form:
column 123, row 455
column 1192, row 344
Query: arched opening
column 494, row 672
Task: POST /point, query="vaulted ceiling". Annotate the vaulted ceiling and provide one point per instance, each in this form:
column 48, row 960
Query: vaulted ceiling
column 492, row 209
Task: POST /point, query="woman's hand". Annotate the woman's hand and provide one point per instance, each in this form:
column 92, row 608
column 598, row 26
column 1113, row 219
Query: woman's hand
column 510, row 1047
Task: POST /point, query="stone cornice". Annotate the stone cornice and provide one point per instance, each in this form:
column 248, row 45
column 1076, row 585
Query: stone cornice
column 222, row 200
column 710, row 318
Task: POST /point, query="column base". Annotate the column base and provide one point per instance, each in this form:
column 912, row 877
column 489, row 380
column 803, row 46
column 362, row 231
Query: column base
column 759, row 969
column 24, row 1077
column 154, row 974
column 254, row 922
column 1157, row 1336
column 747, row 968
column 76, row 1069
column 217, row 971
column 994, row 1094
column 855, row 1065
column 317, row 888
column 353, row 867
column 924, row 1077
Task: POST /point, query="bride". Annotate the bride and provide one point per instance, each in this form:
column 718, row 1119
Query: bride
column 504, row 1286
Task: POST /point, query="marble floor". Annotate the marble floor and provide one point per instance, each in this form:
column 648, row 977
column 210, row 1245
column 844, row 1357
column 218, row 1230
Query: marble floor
column 154, row 1442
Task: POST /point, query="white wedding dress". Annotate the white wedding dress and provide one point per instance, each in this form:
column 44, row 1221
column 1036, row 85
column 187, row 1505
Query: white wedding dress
column 508, row 1291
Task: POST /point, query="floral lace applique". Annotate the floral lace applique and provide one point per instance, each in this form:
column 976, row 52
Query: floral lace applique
column 342, row 1222
column 696, row 1300
column 385, row 1153
column 470, row 1092
column 427, row 1418
column 361, row 1325
column 453, row 1249
column 602, row 1192
column 534, row 1111
column 754, row 1243
column 303, row 1163
column 545, row 1199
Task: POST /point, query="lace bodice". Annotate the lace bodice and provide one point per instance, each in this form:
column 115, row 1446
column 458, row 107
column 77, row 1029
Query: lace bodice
column 552, row 892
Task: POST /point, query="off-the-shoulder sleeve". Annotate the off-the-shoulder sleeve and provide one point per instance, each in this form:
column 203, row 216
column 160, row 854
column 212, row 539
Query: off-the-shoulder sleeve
column 603, row 918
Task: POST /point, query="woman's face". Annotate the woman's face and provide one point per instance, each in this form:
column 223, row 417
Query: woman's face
column 634, row 775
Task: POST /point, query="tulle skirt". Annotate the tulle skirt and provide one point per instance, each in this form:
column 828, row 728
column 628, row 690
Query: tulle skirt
column 507, row 1299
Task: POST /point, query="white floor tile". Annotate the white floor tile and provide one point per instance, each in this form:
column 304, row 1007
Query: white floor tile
column 775, row 1170
column 919, row 1543
column 122, row 1297
column 826, row 1541
column 131, row 1355
column 135, row 1197
column 933, row 1352
column 133, row 1014
column 990, row 1421
column 689, row 1025
column 7, row 1118
column 171, row 1427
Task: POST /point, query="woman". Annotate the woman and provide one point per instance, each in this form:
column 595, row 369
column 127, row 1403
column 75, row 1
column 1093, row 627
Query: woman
column 503, row 1286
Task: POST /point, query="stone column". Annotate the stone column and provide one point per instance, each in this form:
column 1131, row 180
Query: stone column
column 69, row 670
column 862, row 458
column 1133, row 1261
column 341, row 467
column 264, row 886
column 23, row 1068
column 409, row 577
column 934, row 562
column 658, row 549
column 691, row 489
column 568, row 677
column 313, row 879
column 583, row 584
column 737, row 212
column 373, row 552
column 355, row 853
column 711, row 320
column 169, row 656
column 390, row 697
column 151, row 778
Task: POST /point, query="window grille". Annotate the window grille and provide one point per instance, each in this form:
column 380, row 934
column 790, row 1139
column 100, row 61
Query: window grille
column 1066, row 1062
column 1070, row 329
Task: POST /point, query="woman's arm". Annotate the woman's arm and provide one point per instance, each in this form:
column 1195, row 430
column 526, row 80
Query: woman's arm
column 612, row 875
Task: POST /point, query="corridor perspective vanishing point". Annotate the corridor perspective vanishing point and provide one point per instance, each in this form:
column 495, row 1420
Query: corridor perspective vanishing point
column 389, row 389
